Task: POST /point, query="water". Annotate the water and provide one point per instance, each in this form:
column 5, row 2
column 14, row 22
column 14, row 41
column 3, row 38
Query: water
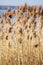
column 2, row 10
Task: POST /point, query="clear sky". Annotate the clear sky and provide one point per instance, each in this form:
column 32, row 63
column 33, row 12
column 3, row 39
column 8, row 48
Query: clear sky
column 21, row 2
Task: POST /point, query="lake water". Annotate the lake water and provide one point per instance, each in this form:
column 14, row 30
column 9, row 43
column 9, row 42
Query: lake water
column 4, row 8
column 1, row 11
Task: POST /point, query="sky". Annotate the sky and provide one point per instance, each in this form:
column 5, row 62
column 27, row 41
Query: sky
column 21, row 2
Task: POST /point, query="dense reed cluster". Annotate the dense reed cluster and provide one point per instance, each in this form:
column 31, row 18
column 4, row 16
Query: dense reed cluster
column 21, row 40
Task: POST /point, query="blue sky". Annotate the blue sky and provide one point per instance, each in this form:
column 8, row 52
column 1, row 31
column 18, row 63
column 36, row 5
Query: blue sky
column 21, row 2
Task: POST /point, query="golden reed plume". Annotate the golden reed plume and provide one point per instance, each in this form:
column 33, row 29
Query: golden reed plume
column 21, row 41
